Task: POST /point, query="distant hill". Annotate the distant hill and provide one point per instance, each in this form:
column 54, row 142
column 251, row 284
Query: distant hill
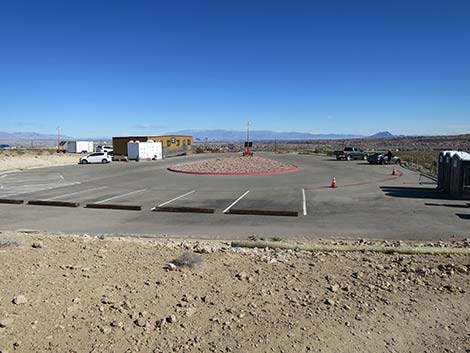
column 29, row 136
column 258, row 135
column 382, row 135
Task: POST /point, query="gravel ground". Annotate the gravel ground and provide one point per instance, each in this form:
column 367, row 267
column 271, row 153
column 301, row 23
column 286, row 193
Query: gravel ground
column 233, row 165
column 85, row 294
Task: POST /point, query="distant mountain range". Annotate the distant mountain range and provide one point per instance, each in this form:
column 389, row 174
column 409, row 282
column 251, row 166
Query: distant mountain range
column 29, row 136
column 208, row 135
column 266, row 135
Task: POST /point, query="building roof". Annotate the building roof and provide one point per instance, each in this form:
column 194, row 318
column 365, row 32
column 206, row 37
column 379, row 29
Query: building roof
column 151, row 136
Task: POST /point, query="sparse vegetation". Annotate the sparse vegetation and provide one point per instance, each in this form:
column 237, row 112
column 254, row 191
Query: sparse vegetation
column 424, row 159
column 318, row 151
column 8, row 242
column 187, row 259
column 199, row 150
column 276, row 239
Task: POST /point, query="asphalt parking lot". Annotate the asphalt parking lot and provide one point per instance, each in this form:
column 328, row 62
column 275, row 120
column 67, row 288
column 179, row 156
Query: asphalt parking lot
column 369, row 202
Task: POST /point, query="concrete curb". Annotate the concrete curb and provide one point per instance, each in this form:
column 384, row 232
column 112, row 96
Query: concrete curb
column 53, row 203
column 110, row 206
column 12, row 201
column 184, row 209
column 279, row 171
column 263, row 212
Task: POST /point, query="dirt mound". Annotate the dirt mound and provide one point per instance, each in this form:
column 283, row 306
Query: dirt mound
column 84, row 294
column 234, row 165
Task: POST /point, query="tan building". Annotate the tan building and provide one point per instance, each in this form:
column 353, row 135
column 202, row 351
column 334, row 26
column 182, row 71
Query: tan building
column 173, row 145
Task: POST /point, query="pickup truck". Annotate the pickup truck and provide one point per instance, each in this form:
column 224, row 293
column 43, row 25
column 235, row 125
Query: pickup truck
column 350, row 153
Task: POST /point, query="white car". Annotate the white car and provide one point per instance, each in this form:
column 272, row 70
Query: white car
column 97, row 157
column 106, row 149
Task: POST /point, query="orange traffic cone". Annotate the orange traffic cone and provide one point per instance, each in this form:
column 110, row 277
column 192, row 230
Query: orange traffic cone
column 333, row 183
column 394, row 171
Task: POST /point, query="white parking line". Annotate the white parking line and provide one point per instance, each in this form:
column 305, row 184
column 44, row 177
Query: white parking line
column 235, row 202
column 76, row 193
column 55, row 186
column 118, row 196
column 304, row 202
column 176, row 198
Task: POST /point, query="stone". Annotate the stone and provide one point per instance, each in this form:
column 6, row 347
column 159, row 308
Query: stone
column 190, row 312
column 116, row 323
column 171, row 319
column 7, row 322
column 160, row 323
column 170, row 266
column 37, row 245
column 329, row 301
column 141, row 322
column 19, row 299
column 333, row 288
column 241, row 275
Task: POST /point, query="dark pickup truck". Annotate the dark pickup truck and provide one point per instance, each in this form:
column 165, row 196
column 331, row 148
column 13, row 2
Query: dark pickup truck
column 350, row 153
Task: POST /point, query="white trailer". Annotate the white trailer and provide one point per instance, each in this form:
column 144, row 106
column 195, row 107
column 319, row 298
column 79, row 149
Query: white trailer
column 79, row 146
column 148, row 150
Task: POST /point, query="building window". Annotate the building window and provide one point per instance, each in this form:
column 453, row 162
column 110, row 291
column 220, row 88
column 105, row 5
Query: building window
column 168, row 143
column 177, row 142
column 189, row 142
column 172, row 140
column 184, row 142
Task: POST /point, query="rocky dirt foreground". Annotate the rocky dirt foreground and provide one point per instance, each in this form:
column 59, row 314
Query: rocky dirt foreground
column 87, row 294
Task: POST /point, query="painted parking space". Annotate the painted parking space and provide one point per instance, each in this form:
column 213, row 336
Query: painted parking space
column 216, row 200
column 283, row 202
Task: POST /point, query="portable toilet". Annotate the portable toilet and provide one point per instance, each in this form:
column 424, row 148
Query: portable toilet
column 441, row 170
column 148, row 150
column 447, row 170
column 460, row 175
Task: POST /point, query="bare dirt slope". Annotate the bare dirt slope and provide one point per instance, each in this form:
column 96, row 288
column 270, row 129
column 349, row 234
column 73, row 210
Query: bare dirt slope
column 83, row 294
column 24, row 159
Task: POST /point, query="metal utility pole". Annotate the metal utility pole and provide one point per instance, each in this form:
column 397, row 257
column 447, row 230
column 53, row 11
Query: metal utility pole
column 247, row 143
column 247, row 131
column 58, row 139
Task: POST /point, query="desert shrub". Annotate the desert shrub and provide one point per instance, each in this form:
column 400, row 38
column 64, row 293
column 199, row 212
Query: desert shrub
column 187, row 259
column 199, row 149
column 9, row 242
column 425, row 159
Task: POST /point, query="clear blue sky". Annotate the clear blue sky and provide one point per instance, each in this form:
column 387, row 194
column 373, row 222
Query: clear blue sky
column 104, row 68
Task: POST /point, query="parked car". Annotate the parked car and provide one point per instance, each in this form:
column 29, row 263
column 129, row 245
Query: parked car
column 104, row 149
column 382, row 158
column 97, row 157
column 350, row 153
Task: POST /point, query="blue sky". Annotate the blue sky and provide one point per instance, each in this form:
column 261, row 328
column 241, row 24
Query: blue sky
column 107, row 68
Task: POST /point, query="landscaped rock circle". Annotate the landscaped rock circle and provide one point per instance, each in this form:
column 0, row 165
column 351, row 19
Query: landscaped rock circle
column 234, row 165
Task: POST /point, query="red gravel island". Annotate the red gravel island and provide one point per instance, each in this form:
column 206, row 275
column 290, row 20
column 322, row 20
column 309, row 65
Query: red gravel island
column 234, row 166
